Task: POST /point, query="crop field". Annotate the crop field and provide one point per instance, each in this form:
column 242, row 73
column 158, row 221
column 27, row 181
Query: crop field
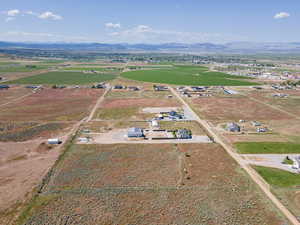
column 69, row 78
column 161, row 184
column 267, row 147
column 130, row 108
column 235, row 109
column 52, row 105
column 285, row 186
column 187, row 75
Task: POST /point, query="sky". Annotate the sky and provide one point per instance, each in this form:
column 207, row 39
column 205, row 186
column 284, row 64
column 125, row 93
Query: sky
column 150, row 21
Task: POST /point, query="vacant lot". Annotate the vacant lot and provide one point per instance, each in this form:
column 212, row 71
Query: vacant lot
column 12, row 94
column 290, row 104
column 267, row 147
column 150, row 184
column 18, row 132
column 235, row 109
column 52, row 105
column 64, row 78
column 187, row 75
column 130, row 108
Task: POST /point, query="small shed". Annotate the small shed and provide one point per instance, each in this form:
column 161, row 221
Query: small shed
column 154, row 123
column 135, row 132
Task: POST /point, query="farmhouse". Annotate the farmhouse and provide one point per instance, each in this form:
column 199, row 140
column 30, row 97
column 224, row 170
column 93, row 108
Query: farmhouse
column 133, row 88
column 135, row 132
column 160, row 88
column 233, row 127
column 184, row 134
column 119, row 87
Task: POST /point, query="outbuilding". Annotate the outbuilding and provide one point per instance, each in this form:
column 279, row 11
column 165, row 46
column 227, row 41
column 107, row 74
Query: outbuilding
column 233, row 127
column 135, row 132
column 54, row 141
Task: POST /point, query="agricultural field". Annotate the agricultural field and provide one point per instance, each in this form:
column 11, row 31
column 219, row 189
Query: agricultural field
column 267, row 147
column 52, row 105
column 68, row 78
column 98, row 69
column 195, row 183
column 20, row 68
column 187, row 75
column 285, row 185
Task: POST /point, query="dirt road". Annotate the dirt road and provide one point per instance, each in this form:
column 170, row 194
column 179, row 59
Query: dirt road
column 100, row 100
column 231, row 151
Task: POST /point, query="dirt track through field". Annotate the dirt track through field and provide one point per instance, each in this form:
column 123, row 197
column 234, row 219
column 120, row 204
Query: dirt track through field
column 252, row 173
column 100, row 100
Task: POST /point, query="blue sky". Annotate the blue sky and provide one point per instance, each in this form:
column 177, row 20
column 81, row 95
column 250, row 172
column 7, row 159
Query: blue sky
column 155, row 21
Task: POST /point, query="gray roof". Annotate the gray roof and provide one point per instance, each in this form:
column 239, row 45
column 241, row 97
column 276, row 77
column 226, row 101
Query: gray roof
column 135, row 132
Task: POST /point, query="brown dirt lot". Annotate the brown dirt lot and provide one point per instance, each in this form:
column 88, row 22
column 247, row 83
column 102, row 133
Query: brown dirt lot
column 12, row 93
column 22, row 167
column 141, row 102
column 290, row 104
column 52, row 105
column 151, row 184
column 234, row 109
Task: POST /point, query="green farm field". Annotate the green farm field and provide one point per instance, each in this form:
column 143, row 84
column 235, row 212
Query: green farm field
column 17, row 68
column 69, row 78
column 99, row 69
column 187, row 75
column 267, row 147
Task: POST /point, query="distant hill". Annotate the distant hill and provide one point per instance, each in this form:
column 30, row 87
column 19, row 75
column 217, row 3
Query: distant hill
column 234, row 47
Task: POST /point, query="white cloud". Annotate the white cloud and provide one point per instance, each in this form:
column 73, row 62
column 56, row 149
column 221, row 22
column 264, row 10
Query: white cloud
column 12, row 12
column 147, row 34
column 282, row 15
column 113, row 25
column 8, row 19
column 50, row 15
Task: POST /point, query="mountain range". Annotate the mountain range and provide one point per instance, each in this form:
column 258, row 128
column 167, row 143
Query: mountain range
column 234, row 47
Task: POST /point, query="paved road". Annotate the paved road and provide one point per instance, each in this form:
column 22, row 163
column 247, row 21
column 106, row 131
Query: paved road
column 252, row 173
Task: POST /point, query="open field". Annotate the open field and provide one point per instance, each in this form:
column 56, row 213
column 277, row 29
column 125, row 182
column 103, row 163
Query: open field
column 291, row 103
column 52, row 105
column 195, row 184
column 267, row 147
column 19, row 132
column 12, row 94
column 130, row 108
column 187, row 75
column 235, row 109
column 69, row 78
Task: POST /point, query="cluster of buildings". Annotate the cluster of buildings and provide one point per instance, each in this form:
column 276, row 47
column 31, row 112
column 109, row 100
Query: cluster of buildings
column 130, row 88
column 194, row 91
column 235, row 127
